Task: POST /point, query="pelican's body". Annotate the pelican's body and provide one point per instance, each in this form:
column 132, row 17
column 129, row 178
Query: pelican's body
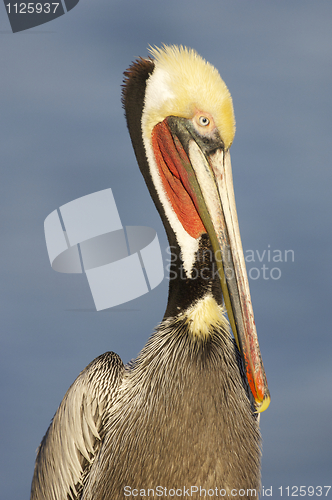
column 182, row 416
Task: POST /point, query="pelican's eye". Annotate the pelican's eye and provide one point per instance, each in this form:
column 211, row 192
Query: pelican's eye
column 203, row 121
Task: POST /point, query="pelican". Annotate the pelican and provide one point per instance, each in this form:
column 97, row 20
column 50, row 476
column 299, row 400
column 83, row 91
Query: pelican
column 183, row 418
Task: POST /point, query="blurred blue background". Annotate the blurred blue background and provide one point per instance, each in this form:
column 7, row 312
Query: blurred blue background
column 63, row 135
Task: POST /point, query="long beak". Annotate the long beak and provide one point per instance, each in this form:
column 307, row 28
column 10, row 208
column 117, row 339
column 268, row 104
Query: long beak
column 206, row 174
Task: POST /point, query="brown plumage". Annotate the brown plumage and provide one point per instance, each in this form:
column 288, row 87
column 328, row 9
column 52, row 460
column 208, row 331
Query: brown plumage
column 182, row 415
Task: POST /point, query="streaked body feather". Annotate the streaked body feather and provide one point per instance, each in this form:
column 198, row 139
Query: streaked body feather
column 174, row 417
column 182, row 417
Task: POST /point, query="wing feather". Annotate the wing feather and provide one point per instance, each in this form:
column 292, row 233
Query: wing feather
column 69, row 447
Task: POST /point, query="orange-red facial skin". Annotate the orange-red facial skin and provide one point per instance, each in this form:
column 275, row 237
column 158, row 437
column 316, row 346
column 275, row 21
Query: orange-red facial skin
column 170, row 158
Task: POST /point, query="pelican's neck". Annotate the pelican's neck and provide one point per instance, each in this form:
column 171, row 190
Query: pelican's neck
column 186, row 291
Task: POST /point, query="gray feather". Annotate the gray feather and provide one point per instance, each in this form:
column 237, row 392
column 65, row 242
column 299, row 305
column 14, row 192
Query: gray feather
column 74, row 437
column 182, row 417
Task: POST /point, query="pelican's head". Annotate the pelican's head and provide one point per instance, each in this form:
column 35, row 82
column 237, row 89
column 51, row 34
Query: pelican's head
column 185, row 85
column 181, row 121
